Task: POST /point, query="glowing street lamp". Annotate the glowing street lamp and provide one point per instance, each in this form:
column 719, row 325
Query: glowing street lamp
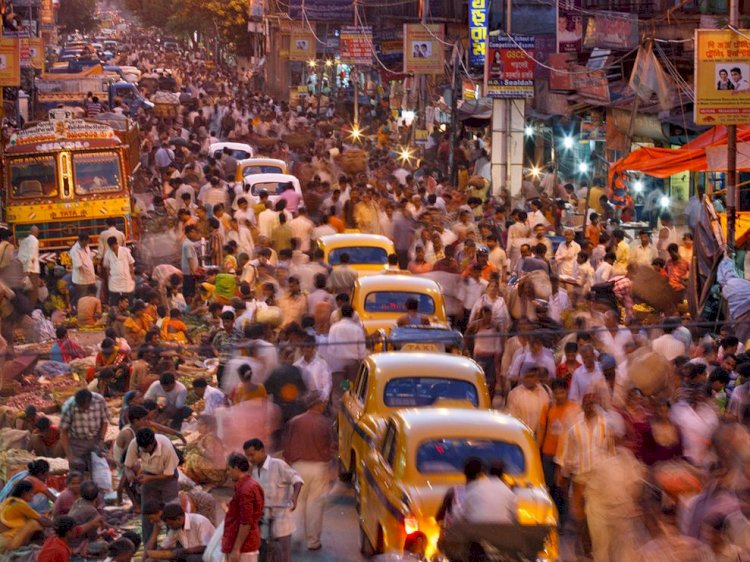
column 536, row 171
column 568, row 142
column 583, row 167
column 312, row 63
column 356, row 132
column 664, row 202
column 329, row 62
column 528, row 131
column 638, row 186
column 405, row 154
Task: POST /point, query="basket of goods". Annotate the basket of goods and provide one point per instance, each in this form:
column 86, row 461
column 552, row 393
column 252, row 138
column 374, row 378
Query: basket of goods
column 353, row 161
column 648, row 371
column 297, row 141
column 642, row 311
column 166, row 104
column 265, row 143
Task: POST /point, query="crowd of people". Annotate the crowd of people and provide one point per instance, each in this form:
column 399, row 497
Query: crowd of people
column 629, row 415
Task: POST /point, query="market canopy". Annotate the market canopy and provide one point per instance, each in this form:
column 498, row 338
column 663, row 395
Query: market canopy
column 702, row 154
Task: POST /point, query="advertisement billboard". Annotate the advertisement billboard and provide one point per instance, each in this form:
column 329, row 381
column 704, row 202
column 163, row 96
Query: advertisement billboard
column 509, row 72
column 722, row 70
column 10, row 62
column 569, row 26
column 301, row 45
column 355, row 44
column 423, row 48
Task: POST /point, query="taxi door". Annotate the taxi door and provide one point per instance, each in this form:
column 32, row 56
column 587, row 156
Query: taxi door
column 352, row 410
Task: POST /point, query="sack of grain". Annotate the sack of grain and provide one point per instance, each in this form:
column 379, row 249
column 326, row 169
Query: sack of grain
column 13, row 439
column 648, row 371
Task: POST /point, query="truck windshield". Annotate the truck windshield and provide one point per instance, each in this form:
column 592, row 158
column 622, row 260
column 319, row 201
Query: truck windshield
column 33, row 177
column 96, row 173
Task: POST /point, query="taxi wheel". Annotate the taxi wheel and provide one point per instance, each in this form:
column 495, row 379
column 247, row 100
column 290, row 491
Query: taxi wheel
column 365, row 546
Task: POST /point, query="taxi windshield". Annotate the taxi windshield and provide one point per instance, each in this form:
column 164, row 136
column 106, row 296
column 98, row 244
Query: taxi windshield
column 362, row 255
column 33, row 177
column 395, row 301
column 270, row 187
column 96, row 173
column 444, row 456
column 261, row 169
column 419, row 392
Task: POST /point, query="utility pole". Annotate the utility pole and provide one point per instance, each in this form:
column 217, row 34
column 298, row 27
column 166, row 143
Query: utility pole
column 354, row 77
column 454, row 120
column 422, row 118
column 732, row 194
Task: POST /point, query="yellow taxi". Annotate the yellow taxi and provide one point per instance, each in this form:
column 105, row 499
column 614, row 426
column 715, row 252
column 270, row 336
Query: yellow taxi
column 380, row 300
column 368, row 253
column 251, row 166
column 421, row 455
column 388, row 381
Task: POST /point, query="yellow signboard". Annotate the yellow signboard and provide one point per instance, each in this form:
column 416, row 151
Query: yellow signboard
column 423, row 48
column 722, row 77
column 301, row 45
column 36, row 49
column 10, row 62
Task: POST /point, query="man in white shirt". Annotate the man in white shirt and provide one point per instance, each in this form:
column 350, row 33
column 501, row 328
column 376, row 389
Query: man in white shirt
column 213, row 398
column 487, row 499
column 604, row 271
column 106, row 234
column 281, row 487
column 242, row 236
column 346, row 347
column 535, row 354
column 558, row 299
column 645, row 252
column 315, row 370
column 667, row 345
column 497, row 256
column 566, row 253
column 302, row 229
column 696, row 418
column 28, row 255
column 530, row 400
column 171, row 397
column 120, row 267
column 84, row 275
column 585, row 376
column 157, row 473
column 267, row 221
column 614, row 337
column 187, row 535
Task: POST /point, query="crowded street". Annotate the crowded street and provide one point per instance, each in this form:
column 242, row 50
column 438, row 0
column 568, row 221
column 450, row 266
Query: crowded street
column 287, row 288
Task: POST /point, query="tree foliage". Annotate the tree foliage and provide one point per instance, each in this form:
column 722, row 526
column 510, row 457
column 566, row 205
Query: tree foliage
column 77, row 14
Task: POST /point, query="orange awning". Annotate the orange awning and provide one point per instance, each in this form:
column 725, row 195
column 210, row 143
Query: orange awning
column 741, row 228
column 665, row 162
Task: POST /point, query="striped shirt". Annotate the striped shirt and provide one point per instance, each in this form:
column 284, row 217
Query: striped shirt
column 586, row 443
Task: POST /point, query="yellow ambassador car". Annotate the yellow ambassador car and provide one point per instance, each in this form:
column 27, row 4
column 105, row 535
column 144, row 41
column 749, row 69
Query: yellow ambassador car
column 368, row 253
column 388, row 381
column 380, row 300
column 421, row 455
column 251, row 166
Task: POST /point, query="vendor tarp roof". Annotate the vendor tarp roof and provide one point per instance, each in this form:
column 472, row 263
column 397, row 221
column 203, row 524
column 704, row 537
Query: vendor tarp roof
column 665, row 162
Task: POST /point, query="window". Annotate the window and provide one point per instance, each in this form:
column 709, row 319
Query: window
column 270, row 187
column 33, row 177
column 96, row 173
column 419, row 392
column 362, row 390
column 388, row 446
column 252, row 170
column 367, row 255
column 443, row 456
column 395, row 301
column 236, row 154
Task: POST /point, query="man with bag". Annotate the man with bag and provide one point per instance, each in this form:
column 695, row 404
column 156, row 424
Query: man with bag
column 83, row 427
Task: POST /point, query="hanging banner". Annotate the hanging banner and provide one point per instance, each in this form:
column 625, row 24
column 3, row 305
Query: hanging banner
column 423, row 48
column 509, row 72
column 722, row 71
column 478, row 15
column 356, row 45
column 10, row 62
column 561, row 77
column 390, row 45
column 612, row 30
column 36, row 50
column 569, row 26
column 301, row 45
column 592, row 85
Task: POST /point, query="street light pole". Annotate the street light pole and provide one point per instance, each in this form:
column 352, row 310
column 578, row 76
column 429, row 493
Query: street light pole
column 354, row 76
column 732, row 194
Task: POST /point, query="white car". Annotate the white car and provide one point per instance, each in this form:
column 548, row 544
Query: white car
column 273, row 184
column 239, row 150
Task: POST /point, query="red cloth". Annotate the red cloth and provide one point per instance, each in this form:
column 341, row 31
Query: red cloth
column 245, row 508
column 54, row 550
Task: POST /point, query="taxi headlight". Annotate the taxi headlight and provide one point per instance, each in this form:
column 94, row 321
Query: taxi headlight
column 411, row 525
column 537, row 515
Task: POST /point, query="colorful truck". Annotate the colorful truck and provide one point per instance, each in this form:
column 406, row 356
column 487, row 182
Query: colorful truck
column 67, row 176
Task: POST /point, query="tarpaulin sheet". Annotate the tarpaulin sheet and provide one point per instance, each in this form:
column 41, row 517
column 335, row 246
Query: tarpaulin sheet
column 666, row 162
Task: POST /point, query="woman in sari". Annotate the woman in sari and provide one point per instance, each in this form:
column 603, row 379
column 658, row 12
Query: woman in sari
column 65, row 349
column 111, row 357
column 18, row 520
column 204, row 458
column 173, row 329
column 36, row 474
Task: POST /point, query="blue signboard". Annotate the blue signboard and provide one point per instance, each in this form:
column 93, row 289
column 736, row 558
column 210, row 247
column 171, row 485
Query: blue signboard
column 478, row 31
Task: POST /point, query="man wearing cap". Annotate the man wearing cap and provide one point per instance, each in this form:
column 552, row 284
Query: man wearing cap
column 187, row 535
column 308, row 447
